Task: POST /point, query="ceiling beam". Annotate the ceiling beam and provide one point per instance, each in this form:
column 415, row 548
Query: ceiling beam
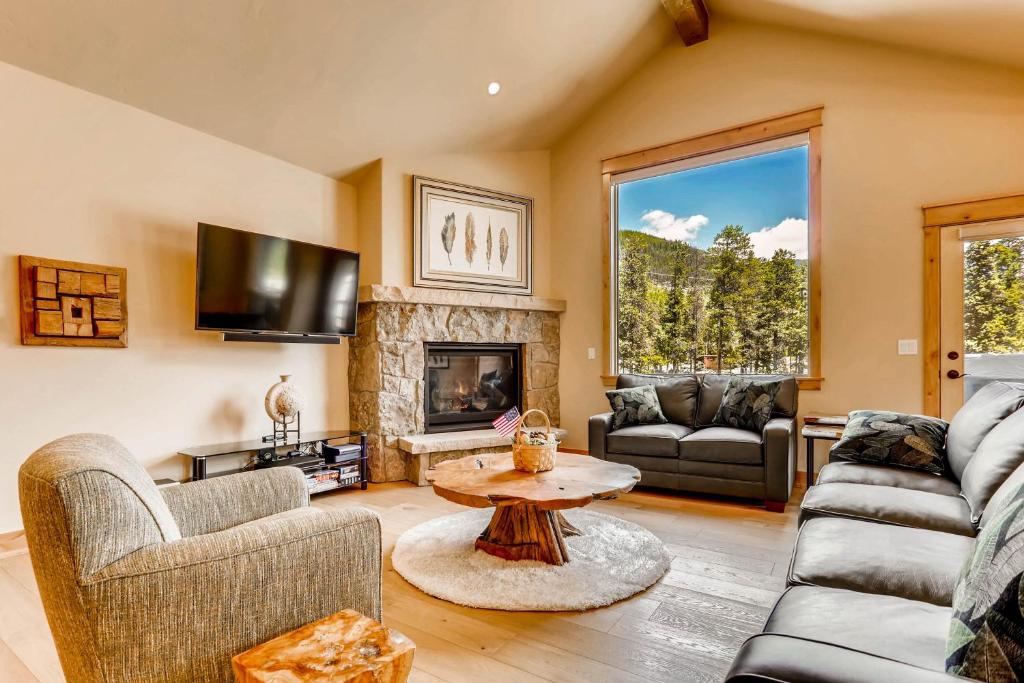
column 691, row 19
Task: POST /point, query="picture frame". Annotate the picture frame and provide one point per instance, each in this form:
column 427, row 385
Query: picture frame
column 438, row 361
column 67, row 303
column 497, row 257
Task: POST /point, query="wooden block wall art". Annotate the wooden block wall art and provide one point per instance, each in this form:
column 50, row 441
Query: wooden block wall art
column 64, row 303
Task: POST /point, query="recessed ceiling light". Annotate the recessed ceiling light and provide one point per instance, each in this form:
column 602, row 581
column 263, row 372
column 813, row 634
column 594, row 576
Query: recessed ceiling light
column 493, row 88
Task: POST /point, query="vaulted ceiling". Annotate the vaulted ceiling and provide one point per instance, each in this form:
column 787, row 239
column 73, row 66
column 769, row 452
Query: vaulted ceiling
column 987, row 30
column 332, row 84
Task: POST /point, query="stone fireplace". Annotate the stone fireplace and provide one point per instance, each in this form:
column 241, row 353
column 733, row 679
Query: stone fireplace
column 399, row 329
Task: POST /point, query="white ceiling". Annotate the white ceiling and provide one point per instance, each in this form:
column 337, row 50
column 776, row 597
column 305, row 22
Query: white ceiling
column 332, row 84
column 988, row 30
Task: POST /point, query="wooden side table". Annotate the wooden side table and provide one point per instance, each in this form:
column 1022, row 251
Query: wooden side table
column 346, row 646
column 820, row 428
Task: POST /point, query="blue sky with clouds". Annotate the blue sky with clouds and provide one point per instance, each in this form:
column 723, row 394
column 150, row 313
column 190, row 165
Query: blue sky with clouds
column 766, row 194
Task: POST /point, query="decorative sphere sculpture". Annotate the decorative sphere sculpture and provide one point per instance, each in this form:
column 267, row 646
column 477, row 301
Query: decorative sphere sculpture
column 284, row 401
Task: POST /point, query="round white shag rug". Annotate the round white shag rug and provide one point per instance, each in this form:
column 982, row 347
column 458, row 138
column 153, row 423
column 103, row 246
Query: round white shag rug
column 612, row 560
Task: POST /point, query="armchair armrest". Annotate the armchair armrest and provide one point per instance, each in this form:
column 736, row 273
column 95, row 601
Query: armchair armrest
column 210, row 505
column 780, row 451
column 231, row 590
column 599, row 427
column 776, row 658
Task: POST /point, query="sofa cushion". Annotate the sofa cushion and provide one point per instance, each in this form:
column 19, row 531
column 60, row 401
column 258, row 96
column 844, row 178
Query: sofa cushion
column 1003, row 496
column 989, row 406
column 770, row 658
column 721, row 470
column 888, row 438
column 846, row 471
column 677, row 394
column 879, row 558
column 635, row 406
column 999, row 454
column 895, row 628
column 722, row 444
column 646, row 464
column 712, row 388
column 987, row 628
column 747, row 403
column 660, row 440
column 903, row 507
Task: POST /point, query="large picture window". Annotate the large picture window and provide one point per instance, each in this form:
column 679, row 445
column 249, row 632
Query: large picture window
column 710, row 260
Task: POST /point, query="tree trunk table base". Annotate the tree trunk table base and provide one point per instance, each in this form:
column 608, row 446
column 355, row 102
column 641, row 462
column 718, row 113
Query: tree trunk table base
column 524, row 532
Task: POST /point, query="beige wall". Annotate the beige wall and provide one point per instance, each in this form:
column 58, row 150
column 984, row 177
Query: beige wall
column 385, row 227
column 84, row 178
column 901, row 129
column 367, row 183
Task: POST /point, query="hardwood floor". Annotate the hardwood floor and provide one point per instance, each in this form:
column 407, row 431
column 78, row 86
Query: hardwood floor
column 729, row 562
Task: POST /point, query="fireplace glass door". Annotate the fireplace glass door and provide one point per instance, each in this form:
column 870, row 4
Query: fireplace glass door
column 469, row 385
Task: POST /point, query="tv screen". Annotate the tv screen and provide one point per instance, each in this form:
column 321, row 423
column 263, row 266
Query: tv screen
column 247, row 282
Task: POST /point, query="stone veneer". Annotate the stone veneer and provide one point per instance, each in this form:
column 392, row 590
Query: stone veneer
column 386, row 358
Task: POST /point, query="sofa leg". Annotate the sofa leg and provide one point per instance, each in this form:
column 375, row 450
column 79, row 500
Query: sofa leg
column 774, row 505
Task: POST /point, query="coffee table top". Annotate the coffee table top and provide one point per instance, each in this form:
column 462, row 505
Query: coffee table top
column 345, row 646
column 482, row 481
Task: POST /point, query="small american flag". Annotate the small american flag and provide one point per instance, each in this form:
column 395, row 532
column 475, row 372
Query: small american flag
column 507, row 423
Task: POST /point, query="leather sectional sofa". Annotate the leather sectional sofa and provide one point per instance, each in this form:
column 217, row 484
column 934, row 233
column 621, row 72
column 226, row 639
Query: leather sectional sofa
column 879, row 554
column 689, row 453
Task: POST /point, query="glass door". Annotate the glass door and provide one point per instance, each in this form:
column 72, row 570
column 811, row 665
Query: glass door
column 982, row 316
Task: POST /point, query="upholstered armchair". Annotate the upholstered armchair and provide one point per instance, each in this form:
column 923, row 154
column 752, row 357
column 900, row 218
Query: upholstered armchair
column 144, row 584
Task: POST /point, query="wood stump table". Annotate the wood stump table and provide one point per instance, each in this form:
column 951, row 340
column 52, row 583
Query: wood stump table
column 345, row 646
column 527, row 523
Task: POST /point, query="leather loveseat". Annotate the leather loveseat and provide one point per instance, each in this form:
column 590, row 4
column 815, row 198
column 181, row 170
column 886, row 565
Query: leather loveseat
column 689, row 453
column 880, row 551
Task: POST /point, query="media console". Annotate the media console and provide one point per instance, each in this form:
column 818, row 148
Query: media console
column 349, row 455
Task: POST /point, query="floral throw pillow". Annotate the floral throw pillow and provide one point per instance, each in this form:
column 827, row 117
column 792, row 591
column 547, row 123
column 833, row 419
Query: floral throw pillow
column 987, row 629
column 635, row 406
column 887, row 438
column 747, row 403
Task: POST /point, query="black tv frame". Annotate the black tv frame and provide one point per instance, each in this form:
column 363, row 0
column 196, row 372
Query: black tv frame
column 278, row 336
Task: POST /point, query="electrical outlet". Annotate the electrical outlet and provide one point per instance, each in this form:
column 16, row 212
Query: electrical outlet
column 907, row 347
column 591, row 353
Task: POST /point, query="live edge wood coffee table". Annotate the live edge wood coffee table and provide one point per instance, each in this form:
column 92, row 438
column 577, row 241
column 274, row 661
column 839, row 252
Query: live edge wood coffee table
column 527, row 523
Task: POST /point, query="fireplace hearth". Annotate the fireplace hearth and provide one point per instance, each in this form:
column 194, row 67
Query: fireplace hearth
column 467, row 386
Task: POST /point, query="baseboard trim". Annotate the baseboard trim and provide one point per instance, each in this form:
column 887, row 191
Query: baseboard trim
column 577, row 451
column 13, row 543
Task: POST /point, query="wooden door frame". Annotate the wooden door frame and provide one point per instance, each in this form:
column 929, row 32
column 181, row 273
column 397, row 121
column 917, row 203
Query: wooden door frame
column 937, row 217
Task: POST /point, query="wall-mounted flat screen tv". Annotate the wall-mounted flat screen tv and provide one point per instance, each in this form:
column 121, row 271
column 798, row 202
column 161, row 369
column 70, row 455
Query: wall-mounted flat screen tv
column 247, row 282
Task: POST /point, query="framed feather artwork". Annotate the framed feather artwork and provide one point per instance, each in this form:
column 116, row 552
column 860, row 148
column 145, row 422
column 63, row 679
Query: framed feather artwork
column 469, row 238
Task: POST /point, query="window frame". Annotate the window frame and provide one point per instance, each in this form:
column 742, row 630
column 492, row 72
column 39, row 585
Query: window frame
column 809, row 122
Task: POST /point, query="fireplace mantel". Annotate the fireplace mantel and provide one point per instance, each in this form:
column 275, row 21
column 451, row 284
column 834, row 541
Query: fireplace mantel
column 452, row 297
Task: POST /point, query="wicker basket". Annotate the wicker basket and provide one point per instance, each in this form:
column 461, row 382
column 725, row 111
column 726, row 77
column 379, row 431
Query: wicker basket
column 530, row 458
